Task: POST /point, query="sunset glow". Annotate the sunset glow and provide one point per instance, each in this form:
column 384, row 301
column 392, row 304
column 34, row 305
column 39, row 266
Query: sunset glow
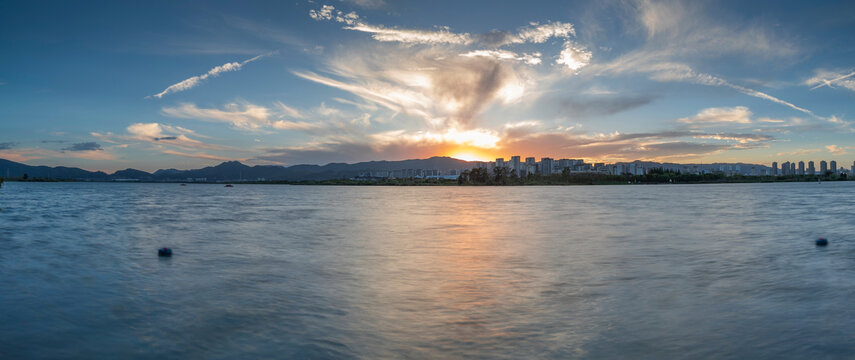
column 351, row 81
column 469, row 157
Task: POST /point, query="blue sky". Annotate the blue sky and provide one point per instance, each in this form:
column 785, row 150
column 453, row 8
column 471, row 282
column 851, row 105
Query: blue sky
column 148, row 85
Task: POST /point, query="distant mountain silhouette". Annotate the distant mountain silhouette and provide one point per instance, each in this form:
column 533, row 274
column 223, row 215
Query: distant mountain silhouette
column 233, row 170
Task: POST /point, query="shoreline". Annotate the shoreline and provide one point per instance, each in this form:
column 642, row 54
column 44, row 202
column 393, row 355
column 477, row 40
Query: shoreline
column 540, row 181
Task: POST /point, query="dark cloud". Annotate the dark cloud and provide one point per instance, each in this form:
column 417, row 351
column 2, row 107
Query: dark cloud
column 457, row 89
column 166, row 138
column 53, row 141
column 6, row 145
column 351, row 152
column 634, row 146
column 87, row 146
column 495, row 38
column 603, row 106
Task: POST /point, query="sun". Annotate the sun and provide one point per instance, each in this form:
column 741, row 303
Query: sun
column 468, row 157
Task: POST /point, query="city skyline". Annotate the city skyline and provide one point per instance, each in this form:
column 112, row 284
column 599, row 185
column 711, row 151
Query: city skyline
column 108, row 86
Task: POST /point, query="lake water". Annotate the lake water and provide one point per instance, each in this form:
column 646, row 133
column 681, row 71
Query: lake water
column 277, row 271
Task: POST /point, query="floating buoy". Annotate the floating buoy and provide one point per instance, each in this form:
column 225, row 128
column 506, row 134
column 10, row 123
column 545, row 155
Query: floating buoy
column 822, row 242
column 164, row 252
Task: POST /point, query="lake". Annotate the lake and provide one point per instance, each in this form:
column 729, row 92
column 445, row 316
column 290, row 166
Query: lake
column 278, row 271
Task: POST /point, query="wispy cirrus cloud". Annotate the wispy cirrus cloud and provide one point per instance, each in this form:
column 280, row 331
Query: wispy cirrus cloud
column 678, row 32
column 244, row 116
column 532, row 59
column 574, row 56
column 194, row 81
column 831, row 79
column 733, row 115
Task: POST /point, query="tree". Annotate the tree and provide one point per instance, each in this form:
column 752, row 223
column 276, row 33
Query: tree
column 25, row 177
column 501, row 174
column 464, row 177
column 479, row 176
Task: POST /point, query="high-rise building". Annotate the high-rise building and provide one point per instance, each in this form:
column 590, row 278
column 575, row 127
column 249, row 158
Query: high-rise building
column 500, row 162
column 785, row 168
column 852, row 172
column 515, row 164
column 833, row 167
column 801, row 168
column 565, row 163
column 530, row 165
column 823, row 167
column 792, row 168
column 546, row 165
column 811, row 170
column 774, row 168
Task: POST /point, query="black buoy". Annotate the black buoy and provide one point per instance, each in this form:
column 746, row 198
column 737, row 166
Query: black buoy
column 822, row 242
column 164, row 251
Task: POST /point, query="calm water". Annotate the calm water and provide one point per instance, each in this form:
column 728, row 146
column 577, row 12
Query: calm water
column 267, row 271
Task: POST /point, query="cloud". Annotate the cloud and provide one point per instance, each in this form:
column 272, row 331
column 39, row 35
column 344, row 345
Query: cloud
column 730, row 115
column 433, row 84
column 684, row 29
column 799, row 152
column 195, row 155
column 244, row 116
column 537, row 33
column 681, row 32
column 409, row 36
column 574, row 56
column 86, row 146
column 831, row 79
column 161, row 134
column 27, row 154
column 532, row 33
column 531, row 59
column 603, row 105
column 288, row 111
column 667, row 71
column 836, row 150
column 196, row 80
column 385, row 34
column 6, row 145
column 522, row 138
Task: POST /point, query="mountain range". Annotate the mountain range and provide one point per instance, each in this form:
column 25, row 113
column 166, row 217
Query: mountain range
column 234, row 170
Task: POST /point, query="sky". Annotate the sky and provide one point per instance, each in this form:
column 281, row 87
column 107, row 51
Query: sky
column 165, row 84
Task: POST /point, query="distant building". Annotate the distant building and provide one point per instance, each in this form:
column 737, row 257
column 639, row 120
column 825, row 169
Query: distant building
column 515, row 164
column 546, row 165
column 811, row 169
column 785, row 168
column 565, row 164
column 500, row 162
column 775, row 168
column 833, row 167
column 793, row 169
column 823, row 167
column 801, row 168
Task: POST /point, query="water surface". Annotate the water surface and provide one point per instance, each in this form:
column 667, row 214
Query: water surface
column 270, row 271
